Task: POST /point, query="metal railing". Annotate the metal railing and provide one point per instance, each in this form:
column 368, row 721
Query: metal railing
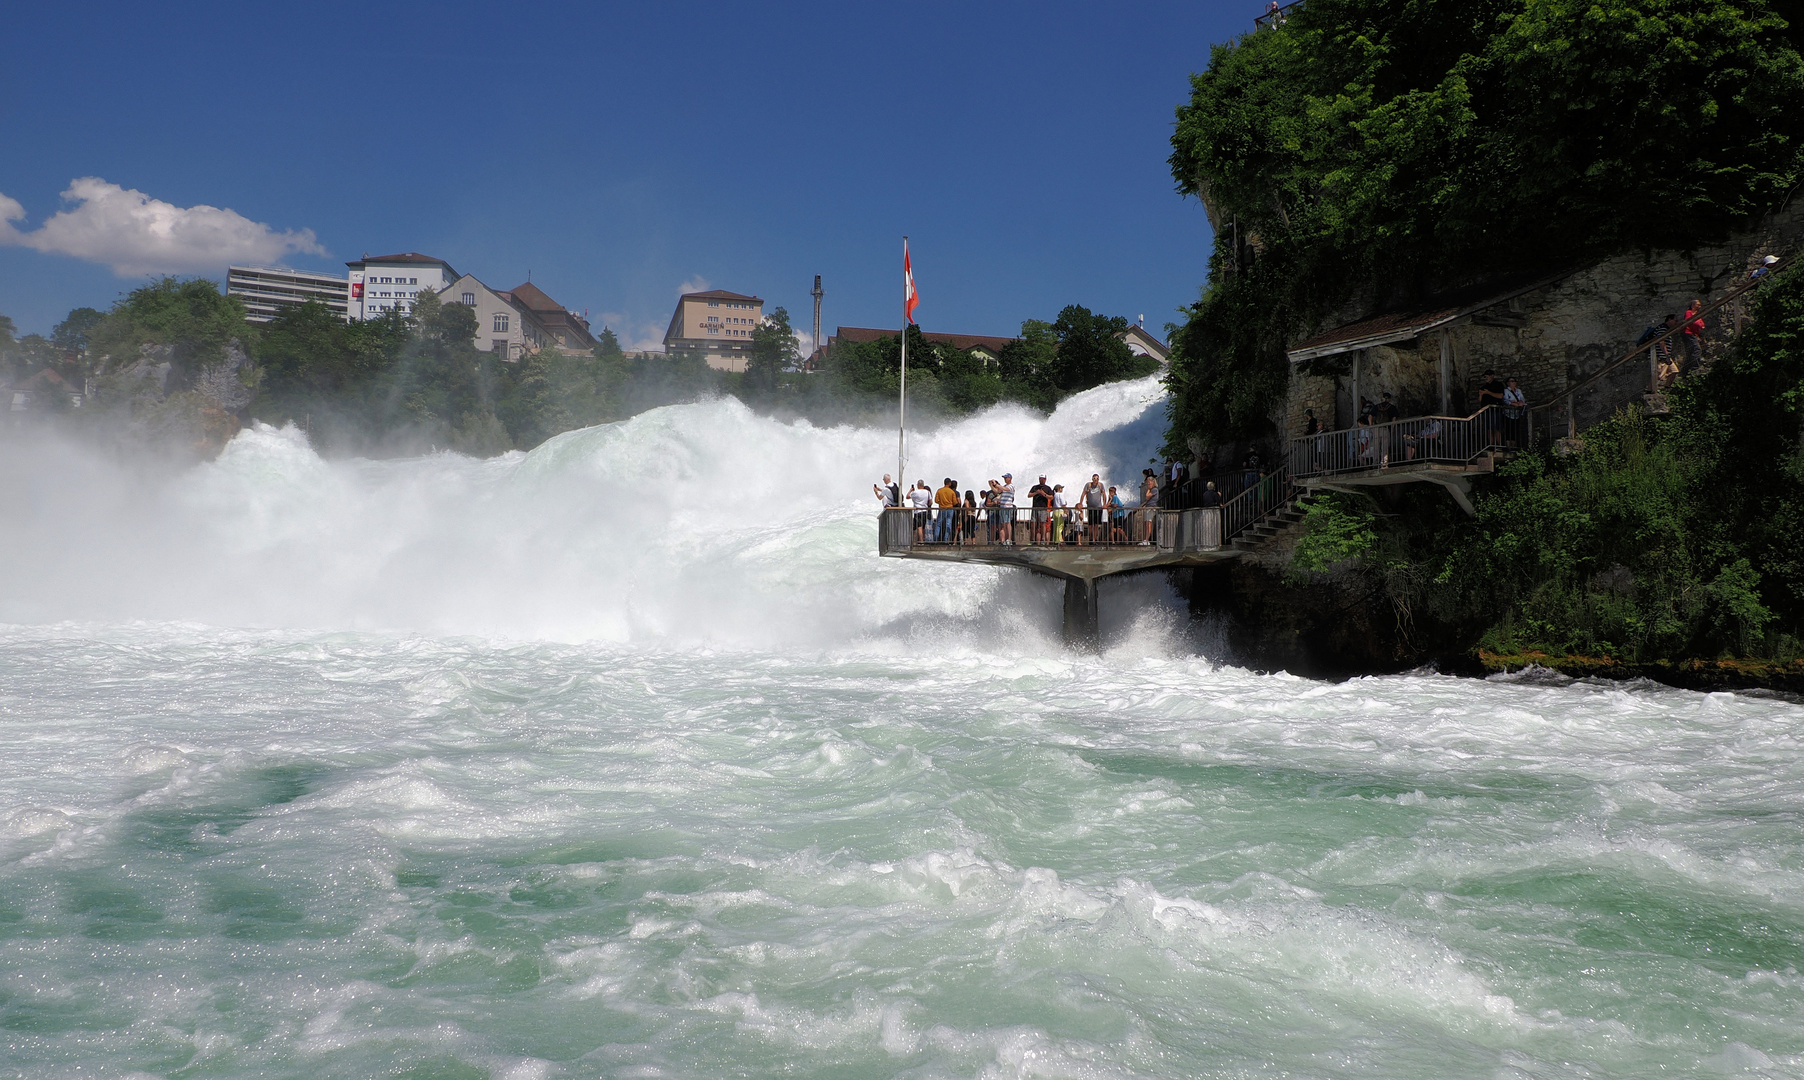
column 1271, row 493
column 1053, row 527
column 1442, row 440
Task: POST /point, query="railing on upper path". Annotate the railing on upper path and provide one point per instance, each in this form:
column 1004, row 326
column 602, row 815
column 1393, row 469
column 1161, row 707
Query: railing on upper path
column 1442, row 440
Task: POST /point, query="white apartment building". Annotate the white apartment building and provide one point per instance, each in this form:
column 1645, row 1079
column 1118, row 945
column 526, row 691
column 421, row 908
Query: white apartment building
column 716, row 325
column 504, row 325
column 390, row 282
column 266, row 290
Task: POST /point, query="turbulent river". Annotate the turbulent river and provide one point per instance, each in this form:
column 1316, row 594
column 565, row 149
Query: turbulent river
column 628, row 758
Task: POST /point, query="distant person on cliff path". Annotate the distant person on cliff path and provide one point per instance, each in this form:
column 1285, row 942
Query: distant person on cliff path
column 1515, row 412
column 1694, row 340
column 1660, row 352
column 1491, row 393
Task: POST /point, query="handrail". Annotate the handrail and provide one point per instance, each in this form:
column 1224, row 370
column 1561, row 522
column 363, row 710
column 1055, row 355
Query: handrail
column 1022, row 527
column 1273, row 491
column 1569, row 395
column 1441, row 440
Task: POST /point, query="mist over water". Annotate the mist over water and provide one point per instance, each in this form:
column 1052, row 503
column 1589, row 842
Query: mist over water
column 627, row 757
column 700, row 523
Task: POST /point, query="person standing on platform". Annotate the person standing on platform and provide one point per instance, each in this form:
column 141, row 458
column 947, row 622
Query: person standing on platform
column 920, row 498
column 1041, row 497
column 887, row 492
column 946, row 499
column 1005, row 499
column 1094, row 497
column 1149, row 504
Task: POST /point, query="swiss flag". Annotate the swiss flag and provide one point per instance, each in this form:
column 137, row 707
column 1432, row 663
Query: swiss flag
column 909, row 297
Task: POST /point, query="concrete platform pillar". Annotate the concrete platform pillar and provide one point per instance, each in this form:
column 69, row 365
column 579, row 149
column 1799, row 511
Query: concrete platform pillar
column 1080, row 613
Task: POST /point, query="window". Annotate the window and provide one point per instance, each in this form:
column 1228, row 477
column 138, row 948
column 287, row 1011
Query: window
column 500, row 324
column 413, row 281
column 714, row 303
column 469, row 299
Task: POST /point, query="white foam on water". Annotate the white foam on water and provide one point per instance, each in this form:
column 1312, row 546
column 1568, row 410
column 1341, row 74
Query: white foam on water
column 628, row 757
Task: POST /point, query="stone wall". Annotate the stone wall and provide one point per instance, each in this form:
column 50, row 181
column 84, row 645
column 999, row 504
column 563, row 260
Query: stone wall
column 1553, row 336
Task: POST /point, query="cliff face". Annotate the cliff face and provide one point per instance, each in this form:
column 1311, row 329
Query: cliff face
column 163, row 399
column 1549, row 337
column 1328, row 630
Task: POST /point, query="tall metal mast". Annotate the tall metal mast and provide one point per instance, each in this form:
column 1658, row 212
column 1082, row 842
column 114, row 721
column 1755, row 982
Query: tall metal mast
column 817, row 315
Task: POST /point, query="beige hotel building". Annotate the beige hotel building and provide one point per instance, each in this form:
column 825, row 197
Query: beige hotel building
column 715, row 325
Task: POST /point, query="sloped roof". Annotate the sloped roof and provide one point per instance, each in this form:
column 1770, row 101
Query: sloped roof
column 1413, row 322
column 863, row 334
column 721, row 294
column 534, row 297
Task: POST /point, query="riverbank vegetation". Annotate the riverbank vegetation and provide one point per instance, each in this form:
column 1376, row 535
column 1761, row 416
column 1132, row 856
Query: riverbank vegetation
column 1365, row 155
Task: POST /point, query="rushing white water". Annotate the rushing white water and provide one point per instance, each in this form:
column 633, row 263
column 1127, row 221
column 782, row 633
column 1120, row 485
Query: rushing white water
column 627, row 757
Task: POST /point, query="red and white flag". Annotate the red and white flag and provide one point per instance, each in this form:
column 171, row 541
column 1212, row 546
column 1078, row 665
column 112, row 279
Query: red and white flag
column 909, row 296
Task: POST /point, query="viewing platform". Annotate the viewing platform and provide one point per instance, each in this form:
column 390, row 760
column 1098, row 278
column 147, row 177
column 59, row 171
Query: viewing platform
column 1121, row 545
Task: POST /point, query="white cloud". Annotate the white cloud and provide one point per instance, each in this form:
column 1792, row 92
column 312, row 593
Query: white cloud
column 136, row 234
column 697, row 283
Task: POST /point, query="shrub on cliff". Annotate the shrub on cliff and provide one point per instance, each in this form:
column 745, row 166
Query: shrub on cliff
column 1409, row 146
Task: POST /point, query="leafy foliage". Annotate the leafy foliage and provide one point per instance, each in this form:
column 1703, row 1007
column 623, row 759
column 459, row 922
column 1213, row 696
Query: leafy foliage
column 193, row 316
column 1398, row 148
column 1337, row 529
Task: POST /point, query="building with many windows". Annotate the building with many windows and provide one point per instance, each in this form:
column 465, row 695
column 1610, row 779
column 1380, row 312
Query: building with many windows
column 504, row 326
column 266, row 290
column 390, row 282
column 715, row 325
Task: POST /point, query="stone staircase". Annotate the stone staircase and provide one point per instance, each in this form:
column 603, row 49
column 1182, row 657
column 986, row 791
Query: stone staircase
column 1272, row 525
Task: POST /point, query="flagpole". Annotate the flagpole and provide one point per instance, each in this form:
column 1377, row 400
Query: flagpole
column 902, row 385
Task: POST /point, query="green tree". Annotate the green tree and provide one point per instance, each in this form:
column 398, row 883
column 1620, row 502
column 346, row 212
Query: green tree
column 607, row 345
column 71, row 335
column 775, row 349
column 1028, row 366
column 1090, row 353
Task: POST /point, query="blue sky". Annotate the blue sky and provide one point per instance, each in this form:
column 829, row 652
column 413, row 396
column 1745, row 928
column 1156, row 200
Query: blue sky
column 621, row 151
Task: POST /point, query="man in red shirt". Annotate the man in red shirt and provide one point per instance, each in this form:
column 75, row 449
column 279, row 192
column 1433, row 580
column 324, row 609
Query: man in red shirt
column 1693, row 335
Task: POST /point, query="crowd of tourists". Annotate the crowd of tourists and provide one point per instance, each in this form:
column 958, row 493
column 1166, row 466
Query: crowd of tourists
column 1045, row 514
